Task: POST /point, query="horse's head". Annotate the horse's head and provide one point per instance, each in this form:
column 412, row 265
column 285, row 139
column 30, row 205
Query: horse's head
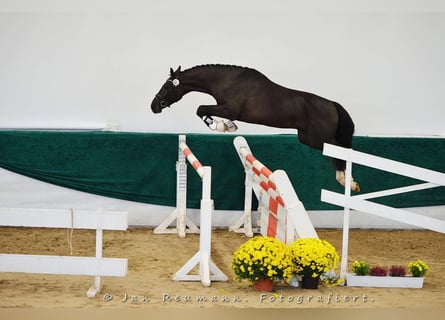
column 170, row 92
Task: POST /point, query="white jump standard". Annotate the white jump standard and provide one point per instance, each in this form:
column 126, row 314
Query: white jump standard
column 282, row 215
column 208, row 271
column 183, row 223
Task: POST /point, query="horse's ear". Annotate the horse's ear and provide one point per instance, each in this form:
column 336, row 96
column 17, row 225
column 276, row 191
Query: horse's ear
column 172, row 73
column 178, row 70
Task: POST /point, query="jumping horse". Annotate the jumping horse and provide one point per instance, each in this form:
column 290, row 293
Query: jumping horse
column 247, row 95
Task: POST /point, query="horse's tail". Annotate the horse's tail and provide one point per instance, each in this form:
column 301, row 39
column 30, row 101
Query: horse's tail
column 345, row 131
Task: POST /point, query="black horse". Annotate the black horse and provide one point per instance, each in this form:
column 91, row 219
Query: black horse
column 247, row 95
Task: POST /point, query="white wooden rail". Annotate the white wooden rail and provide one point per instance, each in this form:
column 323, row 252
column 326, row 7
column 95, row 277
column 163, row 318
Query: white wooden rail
column 360, row 202
column 67, row 265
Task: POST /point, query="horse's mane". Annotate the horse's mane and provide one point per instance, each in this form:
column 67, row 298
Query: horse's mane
column 215, row 66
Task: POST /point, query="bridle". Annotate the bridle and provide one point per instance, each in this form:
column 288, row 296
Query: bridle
column 175, row 83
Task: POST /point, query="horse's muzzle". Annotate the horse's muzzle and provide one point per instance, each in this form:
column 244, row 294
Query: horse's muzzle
column 156, row 110
column 157, row 106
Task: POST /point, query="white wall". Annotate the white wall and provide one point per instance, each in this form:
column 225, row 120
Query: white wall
column 87, row 63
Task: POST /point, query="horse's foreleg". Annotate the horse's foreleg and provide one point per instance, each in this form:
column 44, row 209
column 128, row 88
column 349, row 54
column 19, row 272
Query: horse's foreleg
column 208, row 120
column 219, row 125
column 341, row 178
column 205, row 112
column 226, row 125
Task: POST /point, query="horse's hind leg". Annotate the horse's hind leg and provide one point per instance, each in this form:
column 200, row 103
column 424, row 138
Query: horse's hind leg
column 205, row 112
column 340, row 176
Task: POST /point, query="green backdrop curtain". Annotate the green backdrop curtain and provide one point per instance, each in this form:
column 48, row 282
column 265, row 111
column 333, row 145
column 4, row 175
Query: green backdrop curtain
column 141, row 166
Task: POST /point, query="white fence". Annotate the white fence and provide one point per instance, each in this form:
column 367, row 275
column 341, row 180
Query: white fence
column 360, row 202
column 67, row 265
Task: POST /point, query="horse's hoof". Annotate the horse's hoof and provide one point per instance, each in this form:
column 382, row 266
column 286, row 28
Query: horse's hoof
column 213, row 126
column 220, row 126
column 355, row 187
column 230, row 126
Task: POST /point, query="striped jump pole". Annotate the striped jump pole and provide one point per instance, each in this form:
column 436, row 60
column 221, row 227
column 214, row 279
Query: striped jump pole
column 282, row 215
column 207, row 271
column 191, row 158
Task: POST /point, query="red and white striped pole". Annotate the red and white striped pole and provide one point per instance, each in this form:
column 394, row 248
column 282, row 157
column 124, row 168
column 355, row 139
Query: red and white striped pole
column 191, row 158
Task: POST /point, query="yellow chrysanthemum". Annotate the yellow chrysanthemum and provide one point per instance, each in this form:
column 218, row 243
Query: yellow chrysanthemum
column 418, row 268
column 313, row 257
column 261, row 258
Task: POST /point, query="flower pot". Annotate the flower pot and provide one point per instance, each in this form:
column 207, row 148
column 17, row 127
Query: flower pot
column 294, row 282
column 309, row 282
column 353, row 280
column 264, row 285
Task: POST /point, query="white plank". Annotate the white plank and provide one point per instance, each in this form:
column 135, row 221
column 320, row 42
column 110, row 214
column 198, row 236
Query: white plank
column 383, row 211
column 394, row 191
column 384, row 164
column 88, row 266
column 63, row 218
